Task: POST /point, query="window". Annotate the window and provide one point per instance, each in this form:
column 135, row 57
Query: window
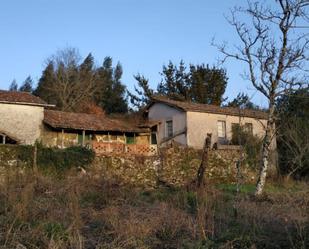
column 169, row 128
column 249, row 128
column 130, row 139
column 153, row 138
column 88, row 138
column 236, row 134
column 221, row 129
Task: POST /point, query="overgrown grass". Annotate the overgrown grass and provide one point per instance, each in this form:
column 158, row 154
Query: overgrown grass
column 86, row 211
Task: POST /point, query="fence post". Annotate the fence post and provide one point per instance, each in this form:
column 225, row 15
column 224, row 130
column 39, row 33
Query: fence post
column 204, row 162
column 35, row 156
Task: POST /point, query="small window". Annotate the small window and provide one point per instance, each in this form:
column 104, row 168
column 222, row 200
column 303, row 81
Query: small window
column 169, row 128
column 249, row 128
column 221, row 129
column 153, row 138
column 130, row 139
column 6, row 140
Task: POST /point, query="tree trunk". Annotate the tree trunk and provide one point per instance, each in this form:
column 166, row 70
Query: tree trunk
column 204, row 162
column 266, row 151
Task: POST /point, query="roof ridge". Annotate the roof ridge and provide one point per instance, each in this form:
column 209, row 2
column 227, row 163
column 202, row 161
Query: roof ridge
column 209, row 108
column 22, row 98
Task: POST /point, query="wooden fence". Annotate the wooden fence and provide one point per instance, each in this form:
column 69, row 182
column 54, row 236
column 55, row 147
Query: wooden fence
column 102, row 148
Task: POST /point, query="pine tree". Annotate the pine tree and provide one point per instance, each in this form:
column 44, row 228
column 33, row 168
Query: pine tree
column 175, row 82
column 27, row 85
column 243, row 101
column 143, row 92
column 13, row 86
column 198, row 84
column 111, row 92
column 207, row 85
column 46, row 85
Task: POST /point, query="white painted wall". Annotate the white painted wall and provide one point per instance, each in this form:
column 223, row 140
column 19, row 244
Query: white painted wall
column 22, row 122
column 161, row 112
column 199, row 124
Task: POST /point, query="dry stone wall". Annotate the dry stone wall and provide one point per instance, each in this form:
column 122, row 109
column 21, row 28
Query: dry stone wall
column 176, row 166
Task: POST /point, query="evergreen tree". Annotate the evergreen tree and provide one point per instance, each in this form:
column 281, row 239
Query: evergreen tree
column 242, row 101
column 111, row 92
column 143, row 92
column 198, row 84
column 13, row 86
column 86, row 69
column 70, row 84
column 46, row 85
column 293, row 133
column 175, row 82
column 207, row 85
column 27, row 85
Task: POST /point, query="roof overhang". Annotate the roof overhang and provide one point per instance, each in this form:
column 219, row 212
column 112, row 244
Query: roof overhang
column 26, row 103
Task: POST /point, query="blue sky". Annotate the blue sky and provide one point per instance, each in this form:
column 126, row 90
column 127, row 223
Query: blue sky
column 141, row 34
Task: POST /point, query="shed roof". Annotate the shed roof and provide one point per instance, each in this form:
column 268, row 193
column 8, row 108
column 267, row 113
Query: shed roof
column 21, row 98
column 194, row 107
column 88, row 122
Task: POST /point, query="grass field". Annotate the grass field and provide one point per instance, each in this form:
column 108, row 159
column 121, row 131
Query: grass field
column 85, row 211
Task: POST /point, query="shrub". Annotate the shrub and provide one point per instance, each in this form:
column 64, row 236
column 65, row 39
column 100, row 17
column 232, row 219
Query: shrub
column 251, row 143
column 21, row 153
column 64, row 158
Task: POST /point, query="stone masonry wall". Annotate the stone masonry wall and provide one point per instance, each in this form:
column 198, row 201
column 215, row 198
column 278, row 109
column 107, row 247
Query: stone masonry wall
column 21, row 122
column 174, row 166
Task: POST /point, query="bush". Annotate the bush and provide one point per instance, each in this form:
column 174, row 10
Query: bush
column 64, row 158
column 22, row 154
column 251, row 143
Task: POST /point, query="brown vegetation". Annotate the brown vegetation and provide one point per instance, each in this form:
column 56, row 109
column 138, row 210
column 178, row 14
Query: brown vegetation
column 84, row 211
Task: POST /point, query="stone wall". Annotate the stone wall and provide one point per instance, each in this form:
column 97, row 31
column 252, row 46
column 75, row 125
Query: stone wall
column 175, row 167
column 21, row 122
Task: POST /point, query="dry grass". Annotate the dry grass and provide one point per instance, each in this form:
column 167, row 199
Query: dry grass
column 41, row 211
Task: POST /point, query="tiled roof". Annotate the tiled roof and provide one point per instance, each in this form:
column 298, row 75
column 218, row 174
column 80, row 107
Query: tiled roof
column 194, row 107
column 89, row 122
column 25, row 98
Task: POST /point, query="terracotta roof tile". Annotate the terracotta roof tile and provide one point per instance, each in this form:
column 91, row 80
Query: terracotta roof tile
column 90, row 122
column 20, row 98
column 194, row 107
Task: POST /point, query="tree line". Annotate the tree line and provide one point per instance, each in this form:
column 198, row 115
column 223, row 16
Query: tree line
column 79, row 85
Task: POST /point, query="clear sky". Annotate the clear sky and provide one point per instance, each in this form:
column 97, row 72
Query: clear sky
column 141, row 34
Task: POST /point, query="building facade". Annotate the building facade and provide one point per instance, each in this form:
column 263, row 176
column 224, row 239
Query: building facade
column 21, row 117
column 188, row 123
column 26, row 119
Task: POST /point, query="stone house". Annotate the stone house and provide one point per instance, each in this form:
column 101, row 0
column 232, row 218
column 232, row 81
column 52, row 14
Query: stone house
column 188, row 123
column 25, row 119
column 21, row 116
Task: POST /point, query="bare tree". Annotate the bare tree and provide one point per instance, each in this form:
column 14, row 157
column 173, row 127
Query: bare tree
column 68, row 79
column 274, row 44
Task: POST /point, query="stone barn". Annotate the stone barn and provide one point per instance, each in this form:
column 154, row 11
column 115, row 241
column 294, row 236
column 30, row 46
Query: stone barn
column 21, row 117
column 25, row 119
